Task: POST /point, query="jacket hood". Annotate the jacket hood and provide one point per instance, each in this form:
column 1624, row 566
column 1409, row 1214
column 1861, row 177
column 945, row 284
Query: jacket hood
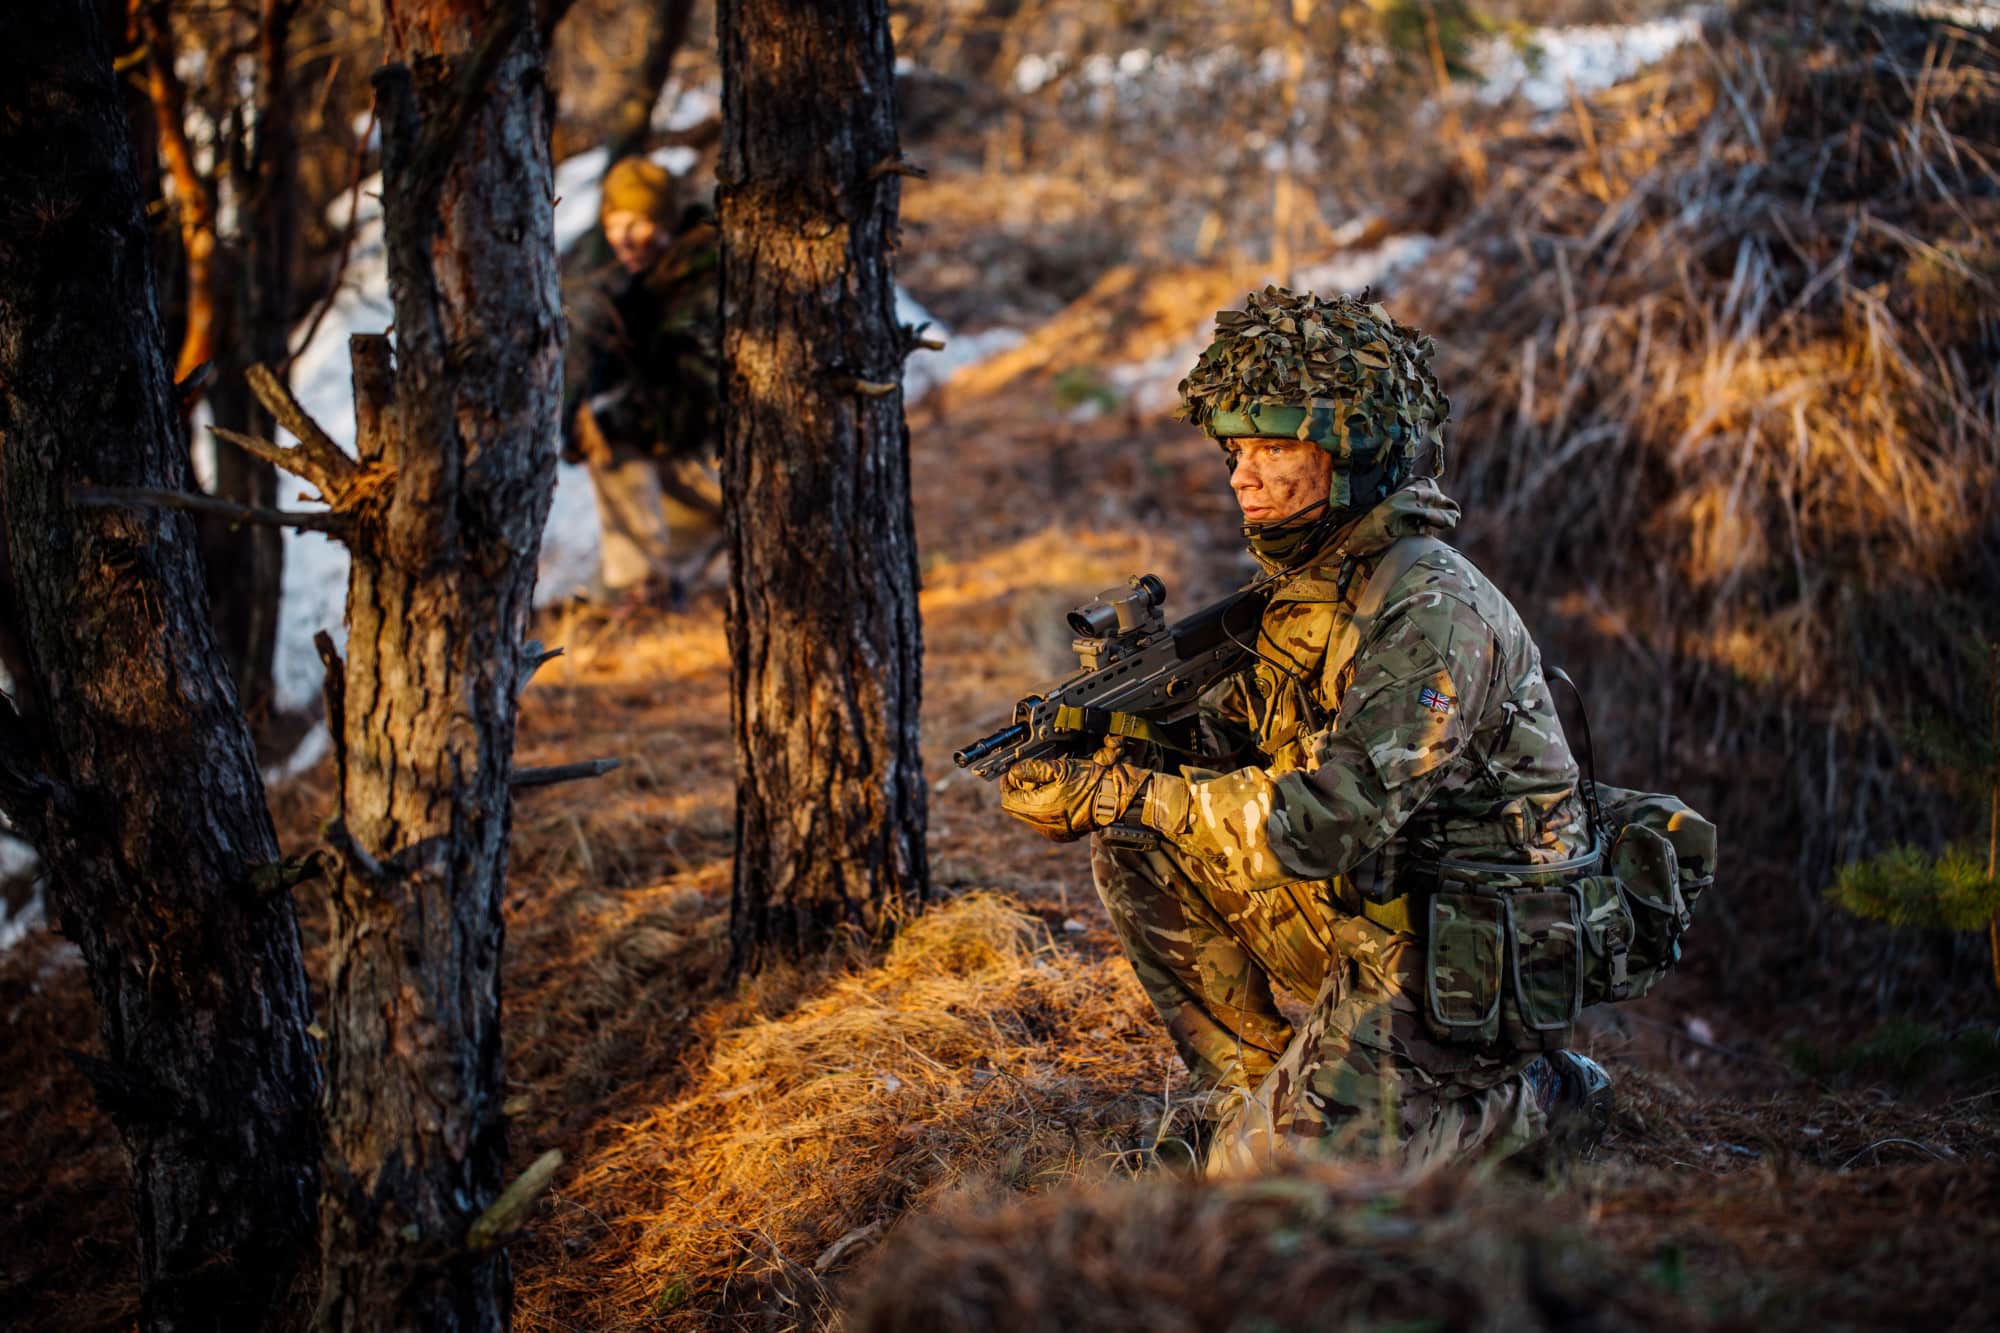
column 1419, row 509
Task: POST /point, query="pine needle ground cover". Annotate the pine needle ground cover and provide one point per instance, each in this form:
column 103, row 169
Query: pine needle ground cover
column 976, row 1055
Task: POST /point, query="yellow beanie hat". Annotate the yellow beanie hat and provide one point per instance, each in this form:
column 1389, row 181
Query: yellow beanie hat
column 637, row 185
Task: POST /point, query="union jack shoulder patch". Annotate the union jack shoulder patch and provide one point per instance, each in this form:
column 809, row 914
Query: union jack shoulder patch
column 1436, row 700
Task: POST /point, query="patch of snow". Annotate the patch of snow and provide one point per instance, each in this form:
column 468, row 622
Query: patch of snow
column 201, row 445
column 1377, row 266
column 1153, row 385
column 690, row 107
column 1585, row 58
column 312, row 747
column 17, row 926
column 1033, row 72
column 925, row 369
column 1543, row 66
column 18, row 859
column 1945, row 11
column 577, row 181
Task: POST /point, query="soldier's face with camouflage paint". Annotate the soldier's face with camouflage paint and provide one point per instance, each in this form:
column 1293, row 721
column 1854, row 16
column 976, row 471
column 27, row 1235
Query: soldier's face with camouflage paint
column 1276, row 478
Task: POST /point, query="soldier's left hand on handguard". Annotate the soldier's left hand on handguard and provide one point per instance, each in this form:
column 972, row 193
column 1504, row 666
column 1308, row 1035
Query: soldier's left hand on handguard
column 1063, row 799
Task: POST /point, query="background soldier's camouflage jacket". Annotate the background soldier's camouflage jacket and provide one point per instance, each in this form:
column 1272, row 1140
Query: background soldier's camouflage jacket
column 653, row 350
column 1442, row 738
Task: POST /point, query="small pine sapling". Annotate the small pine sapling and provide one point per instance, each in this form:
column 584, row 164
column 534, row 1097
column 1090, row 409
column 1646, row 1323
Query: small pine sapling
column 1955, row 889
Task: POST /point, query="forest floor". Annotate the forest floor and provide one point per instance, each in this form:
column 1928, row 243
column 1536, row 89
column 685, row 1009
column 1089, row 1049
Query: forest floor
column 742, row 1157
column 737, row 1153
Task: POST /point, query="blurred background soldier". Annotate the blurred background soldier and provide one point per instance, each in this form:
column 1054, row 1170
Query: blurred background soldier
column 645, row 414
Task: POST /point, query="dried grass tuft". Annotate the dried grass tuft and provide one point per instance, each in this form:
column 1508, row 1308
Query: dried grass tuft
column 979, row 1053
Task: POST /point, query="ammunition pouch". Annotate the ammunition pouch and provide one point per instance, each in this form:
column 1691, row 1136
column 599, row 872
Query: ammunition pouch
column 1506, row 951
column 1662, row 855
column 1517, row 951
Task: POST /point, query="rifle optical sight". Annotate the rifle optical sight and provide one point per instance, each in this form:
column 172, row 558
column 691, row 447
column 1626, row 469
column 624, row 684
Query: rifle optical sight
column 1120, row 610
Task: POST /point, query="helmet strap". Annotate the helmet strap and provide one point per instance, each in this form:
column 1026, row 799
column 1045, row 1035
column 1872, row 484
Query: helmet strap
column 1285, row 543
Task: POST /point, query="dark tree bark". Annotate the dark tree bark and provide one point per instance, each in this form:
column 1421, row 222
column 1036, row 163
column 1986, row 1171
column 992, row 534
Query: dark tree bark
column 246, row 589
column 136, row 780
column 245, row 562
column 457, row 441
column 823, row 625
column 666, row 30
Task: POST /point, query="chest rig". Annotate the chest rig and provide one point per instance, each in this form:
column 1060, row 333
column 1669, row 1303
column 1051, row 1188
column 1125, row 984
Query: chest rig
column 1308, row 639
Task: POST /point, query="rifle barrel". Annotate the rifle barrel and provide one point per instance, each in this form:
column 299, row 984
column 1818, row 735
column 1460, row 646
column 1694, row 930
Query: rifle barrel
column 979, row 749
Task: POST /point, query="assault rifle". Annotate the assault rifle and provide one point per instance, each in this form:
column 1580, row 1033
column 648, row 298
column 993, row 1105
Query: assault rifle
column 1140, row 677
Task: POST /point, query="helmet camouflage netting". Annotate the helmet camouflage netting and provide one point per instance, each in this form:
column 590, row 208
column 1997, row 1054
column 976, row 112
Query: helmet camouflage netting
column 1342, row 374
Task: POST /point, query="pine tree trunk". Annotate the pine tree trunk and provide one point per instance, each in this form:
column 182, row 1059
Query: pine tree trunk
column 246, row 568
column 458, row 449
column 245, row 563
column 133, row 773
column 823, row 626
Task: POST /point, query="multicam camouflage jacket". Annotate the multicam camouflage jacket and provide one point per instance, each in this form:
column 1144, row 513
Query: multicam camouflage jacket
column 651, row 381
column 1438, row 738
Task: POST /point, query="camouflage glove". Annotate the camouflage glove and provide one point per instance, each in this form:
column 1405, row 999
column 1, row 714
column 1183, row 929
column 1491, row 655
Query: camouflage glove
column 1063, row 799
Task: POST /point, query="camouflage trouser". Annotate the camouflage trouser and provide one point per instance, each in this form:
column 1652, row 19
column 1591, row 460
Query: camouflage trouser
column 1362, row 1076
column 652, row 514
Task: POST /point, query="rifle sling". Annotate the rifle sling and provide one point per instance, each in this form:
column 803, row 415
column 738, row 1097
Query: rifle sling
column 1094, row 721
column 1396, row 561
column 1395, row 913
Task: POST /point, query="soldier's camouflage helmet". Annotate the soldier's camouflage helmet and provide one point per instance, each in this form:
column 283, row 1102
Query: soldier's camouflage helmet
column 1342, row 374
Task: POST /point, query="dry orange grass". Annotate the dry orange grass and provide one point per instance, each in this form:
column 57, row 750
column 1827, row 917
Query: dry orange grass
column 1722, row 345
column 978, row 1053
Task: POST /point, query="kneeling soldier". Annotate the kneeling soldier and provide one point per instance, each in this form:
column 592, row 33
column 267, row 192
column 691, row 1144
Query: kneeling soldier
column 1430, row 742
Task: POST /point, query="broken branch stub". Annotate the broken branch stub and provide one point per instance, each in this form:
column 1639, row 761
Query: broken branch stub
column 554, row 773
column 373, row 367
column 154, row 497
column 533, row 658
column 509, row 1212
column 332, row 468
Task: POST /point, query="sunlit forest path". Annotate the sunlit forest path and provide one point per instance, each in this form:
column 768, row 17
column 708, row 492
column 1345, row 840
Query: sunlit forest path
column 1756, row 565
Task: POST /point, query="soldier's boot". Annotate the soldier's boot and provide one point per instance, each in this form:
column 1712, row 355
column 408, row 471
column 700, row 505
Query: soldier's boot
column 1574, row 1092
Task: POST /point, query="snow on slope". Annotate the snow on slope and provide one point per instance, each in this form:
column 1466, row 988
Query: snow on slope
column 1552, row 63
